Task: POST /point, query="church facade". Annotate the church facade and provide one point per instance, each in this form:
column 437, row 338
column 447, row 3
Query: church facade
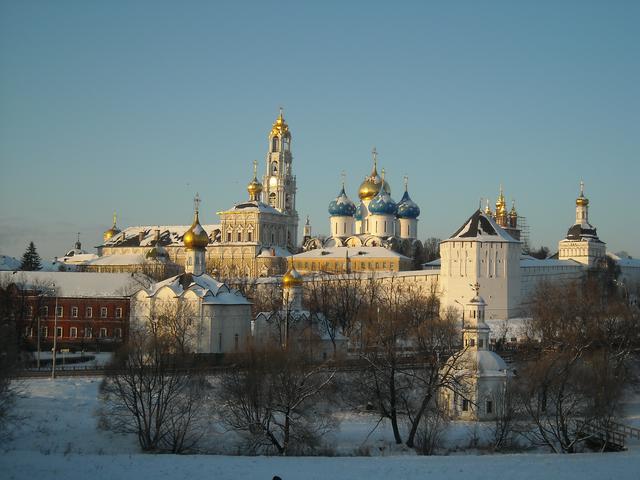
column 253, row 238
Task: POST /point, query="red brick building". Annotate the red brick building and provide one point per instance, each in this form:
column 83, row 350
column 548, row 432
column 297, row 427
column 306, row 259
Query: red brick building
column 92, row 308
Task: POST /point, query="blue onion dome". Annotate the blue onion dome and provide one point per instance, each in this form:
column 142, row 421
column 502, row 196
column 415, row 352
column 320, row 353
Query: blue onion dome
column 407, row 208
column 342, row 206
column 382, row 204
column 359, row 215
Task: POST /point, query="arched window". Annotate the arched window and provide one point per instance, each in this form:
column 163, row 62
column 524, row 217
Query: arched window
column 274, row 144
column 274, row 168
column 272, row 199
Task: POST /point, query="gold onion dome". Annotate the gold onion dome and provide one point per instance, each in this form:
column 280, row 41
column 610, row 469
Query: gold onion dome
column 113, row 231
column 196, row 236
column 501, row 205
column 254, row 187
column 582, row 201
column 280, row 127
column 370, row 187
column 292, row 278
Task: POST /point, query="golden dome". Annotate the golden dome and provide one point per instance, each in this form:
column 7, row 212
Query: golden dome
column 196, row 236
column 292, row 278
column 280, row 127
column 370, row 187
column 108, row 234
column 254, row 187
column 513, row 212
column 582, row 201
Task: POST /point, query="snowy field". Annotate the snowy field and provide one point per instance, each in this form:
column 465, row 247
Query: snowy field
column 57, row 438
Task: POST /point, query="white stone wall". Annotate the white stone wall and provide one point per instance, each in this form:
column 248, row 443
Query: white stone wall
column 494, row 265
column 227, row 328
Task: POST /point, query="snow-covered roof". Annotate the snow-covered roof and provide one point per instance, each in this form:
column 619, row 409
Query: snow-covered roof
column 626, row 262
column 528, row 261
column 9, row 263
column 274, row 252
column 78, row 258
column 252, row 206
column 119, row 259
column 583, row 231
column 82, row 284
column 481, row 228
column 351, row 252
column 210, row 290
column 150, row 235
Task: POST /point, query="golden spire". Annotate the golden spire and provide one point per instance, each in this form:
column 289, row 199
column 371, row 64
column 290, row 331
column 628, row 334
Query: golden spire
column 406, row 183
column 115, row 217
column 487, row 209
column 501, row 205
column 374, row 153
column 112, row 231
column 582, row 201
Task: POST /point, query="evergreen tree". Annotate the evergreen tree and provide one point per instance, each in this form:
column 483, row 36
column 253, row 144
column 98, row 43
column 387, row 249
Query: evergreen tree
column 31, row 259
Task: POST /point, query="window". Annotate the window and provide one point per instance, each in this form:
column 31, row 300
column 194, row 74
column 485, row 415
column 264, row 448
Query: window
column 28, row 332
column 44, row 332
column 73, row 332
column 272, row 199
column 74, row 312
column 89, row 312
column 117, row 333
column 228, row 236
column 236, row 342
column 103, row 333
column 44, row 311
column 59, row 332
column 472, row 342
column 87, row 332
column 249, row 236
column 239, row 236
column 220, row 342
column 481, row 343
column 274, row 145
column 59, row 312
column 119, row 312
column 489, row 406
column 103, row 312
column 30, row 311
column 465, row 405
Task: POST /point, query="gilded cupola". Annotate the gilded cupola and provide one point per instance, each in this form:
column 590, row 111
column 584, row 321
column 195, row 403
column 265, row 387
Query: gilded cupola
column 113, row 231
column 292, row 278
column 582, row 201
column 254, row 187
column 196, row 237
column 501, row 205
column 371, row 185
column 280, row 127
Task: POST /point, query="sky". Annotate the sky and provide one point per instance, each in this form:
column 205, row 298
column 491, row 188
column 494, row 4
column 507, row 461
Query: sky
column 135, row 106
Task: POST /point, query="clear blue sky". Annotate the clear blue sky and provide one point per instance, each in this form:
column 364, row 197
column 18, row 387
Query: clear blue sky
column 134, row 106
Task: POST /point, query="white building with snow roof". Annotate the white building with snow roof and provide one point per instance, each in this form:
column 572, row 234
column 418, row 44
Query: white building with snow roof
column 218, row 317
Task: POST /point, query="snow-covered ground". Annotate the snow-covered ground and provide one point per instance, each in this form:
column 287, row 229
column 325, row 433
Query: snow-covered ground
column 57, row 437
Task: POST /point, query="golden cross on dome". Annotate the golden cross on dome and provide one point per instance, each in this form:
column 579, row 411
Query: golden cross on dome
column 475, row 287
column 406, row 183
column 374, row 152
column 382, row 176
column 196, row 202
column 78, row 236
column 343, row 175
column 581, row 188
column 281, row 111
column 114, row 218
column 255, row 169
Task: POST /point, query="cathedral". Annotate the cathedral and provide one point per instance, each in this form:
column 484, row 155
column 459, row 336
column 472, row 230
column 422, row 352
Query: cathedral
column 377, row 234
column 253, row 238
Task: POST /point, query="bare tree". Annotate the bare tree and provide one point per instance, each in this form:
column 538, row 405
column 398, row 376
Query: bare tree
column 277, row 401
column 575, row 383
column 336, row 304
column 154, row 389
